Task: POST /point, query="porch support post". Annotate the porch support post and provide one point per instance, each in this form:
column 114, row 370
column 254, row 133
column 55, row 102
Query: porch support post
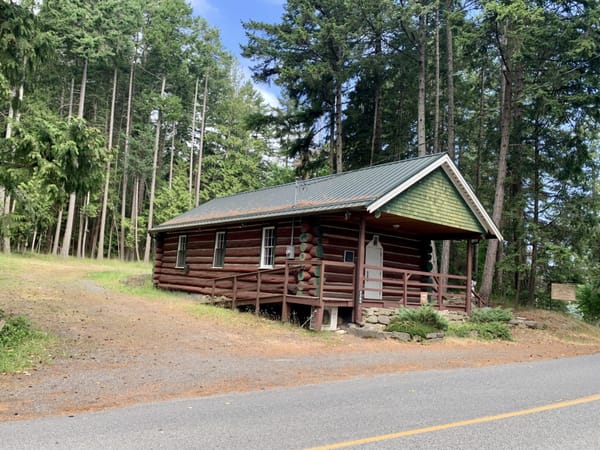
column 469, row 275
column 258, row 287
column 319, row 311
column 360, row 269
column 285, row 315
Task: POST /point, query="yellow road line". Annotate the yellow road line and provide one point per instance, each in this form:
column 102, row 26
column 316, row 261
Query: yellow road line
column 462, row 423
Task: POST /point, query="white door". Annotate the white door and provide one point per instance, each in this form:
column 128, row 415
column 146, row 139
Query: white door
column 373, row 277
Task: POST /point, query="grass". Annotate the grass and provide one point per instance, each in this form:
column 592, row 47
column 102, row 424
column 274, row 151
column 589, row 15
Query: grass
column 22, row 346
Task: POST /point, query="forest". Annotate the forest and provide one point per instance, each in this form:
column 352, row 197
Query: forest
column 118, row 115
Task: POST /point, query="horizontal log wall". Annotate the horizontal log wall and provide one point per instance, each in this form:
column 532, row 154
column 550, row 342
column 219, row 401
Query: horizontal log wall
column 242, row 256
column 313, row 241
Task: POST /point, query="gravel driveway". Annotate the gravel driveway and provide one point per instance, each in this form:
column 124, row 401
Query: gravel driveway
column 118, row 349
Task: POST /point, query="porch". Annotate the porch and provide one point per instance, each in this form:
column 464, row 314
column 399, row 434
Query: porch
column 326, row 284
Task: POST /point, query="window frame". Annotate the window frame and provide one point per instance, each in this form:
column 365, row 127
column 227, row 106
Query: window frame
column 181, row 252
column 220, row 238
column 268, row 251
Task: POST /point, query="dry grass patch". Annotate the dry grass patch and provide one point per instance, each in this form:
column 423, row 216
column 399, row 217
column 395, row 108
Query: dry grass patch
column 564, row 327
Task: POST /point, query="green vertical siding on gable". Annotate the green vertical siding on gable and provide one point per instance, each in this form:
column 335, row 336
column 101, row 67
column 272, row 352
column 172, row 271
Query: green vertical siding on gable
column 435, row 199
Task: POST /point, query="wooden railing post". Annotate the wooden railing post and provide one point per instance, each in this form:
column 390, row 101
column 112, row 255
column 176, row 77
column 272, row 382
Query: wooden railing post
column 322, row 284
column 285, row 316
column 405, row 289
column 469, row 276
column 234, row 296
column 360, row 271
column 441, row 289
column 321, row 306
column 258, row 283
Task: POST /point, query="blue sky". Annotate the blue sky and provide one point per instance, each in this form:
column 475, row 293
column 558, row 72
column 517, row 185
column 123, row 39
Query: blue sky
column 228, row 15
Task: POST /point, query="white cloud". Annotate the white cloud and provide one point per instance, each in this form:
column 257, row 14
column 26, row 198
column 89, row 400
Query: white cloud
column 203, row 8
column 267, row 94
column 269, row 97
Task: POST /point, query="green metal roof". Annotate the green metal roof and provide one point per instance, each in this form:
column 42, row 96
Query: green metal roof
column 363, row 188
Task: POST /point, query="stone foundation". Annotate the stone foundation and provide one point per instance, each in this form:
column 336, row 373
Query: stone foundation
column 378, row 318
column 374, row 321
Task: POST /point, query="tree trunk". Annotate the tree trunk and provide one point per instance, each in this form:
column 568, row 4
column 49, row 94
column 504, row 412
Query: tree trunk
column 80, row 234
column 536, row 219
column 126, row 162
column 193, row 140
column 172, row 156
column 134, row 216
column 436, row 118
column 331, row 140
column 201, row 146
column 64, row 250
column 338, row 130
column 481, row 132
column 73, row 196
column 57, row 232
column 447, row 245
column 505, row 126
column 71, row 96
column 13, row 115
column 154, row 170
column 85, row 226
column 450, row 69
column 377, row 107
column 6, row 240
column 422, row 149
column 107, row 179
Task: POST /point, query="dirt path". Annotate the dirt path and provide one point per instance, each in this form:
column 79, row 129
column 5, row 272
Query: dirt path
column 117, row 349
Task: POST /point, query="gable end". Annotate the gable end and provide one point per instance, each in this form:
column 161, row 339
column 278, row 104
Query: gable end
column 435, row 199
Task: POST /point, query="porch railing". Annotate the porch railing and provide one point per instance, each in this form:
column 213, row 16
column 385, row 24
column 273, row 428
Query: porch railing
column 323, row 283
column 412, row 288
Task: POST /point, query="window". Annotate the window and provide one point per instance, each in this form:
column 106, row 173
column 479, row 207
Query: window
column 219, row 254
column 181, row 252
column 349, row 256
column 267, row 249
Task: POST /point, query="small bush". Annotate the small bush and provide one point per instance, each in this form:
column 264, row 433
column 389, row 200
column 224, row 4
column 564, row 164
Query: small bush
column 412, row 328
column 486, row 330
column 487, row 315
column 21, row 345
column 425, row 315
column 16, row 329
column 418, row 322
column 588, row 302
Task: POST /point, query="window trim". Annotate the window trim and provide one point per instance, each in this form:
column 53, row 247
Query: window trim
column 218, row 235
column 263, row 248
column 181, row 252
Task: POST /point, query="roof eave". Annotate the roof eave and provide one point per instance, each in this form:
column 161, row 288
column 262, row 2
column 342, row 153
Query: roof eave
column 257, row 217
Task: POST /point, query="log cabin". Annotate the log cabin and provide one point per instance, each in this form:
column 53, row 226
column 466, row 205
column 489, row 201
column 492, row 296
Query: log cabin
column 325, row 248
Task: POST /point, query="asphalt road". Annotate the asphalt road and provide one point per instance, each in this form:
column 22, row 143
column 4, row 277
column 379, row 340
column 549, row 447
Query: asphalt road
column 542, row 405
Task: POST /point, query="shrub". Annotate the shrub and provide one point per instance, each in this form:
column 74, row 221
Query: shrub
column 21, row 345
column 487, row 315
column 588, row 302
column 16, row 330
column 418, row 322
column 481, row 330
column 425, row 315
column 410, row 327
